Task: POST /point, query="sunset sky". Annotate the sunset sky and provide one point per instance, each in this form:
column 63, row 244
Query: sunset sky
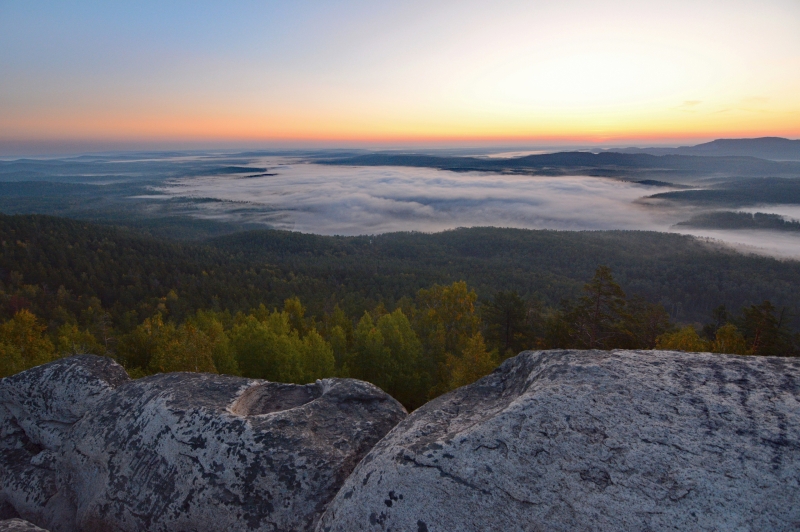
column 299, row 73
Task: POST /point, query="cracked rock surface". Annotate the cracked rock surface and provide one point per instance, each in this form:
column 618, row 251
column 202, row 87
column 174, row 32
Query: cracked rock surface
column 38, row 408
column 591, row 440
column 187, row 451
column 18, row 525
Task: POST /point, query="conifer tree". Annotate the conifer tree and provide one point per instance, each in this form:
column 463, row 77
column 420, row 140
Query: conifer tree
column 764, row 328
column 505, row 317
column 600, row 313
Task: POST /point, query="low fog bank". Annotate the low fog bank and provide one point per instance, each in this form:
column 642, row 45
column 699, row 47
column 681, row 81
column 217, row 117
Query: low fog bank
column 333, row 200
column 767, row 243
column 368, row 200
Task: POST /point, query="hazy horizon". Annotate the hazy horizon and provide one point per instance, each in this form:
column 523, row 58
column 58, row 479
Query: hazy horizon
column 17, row 150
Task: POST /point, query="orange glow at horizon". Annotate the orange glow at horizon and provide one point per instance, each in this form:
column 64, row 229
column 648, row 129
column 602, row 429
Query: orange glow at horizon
column 402, row 130
column 379, row 73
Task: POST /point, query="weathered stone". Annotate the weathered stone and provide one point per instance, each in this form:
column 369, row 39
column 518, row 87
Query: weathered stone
column 86, row 449
column 18, row 525
column 38, row 408
column 187, row 451
column 591, row 440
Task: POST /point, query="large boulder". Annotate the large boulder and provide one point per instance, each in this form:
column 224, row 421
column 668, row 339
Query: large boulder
column 38, row 408
column 201, row 452
column 591, row 440
column 86, row 449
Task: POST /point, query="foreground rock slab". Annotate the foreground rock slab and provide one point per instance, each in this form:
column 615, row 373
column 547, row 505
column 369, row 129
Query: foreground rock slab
column 591, row 440
column 186, row 451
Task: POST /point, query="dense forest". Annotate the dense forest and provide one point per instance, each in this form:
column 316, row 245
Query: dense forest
column 417, row 314
column 742, row 220
column 739, row 193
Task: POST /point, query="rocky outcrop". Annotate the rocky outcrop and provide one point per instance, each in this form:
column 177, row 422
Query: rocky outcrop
column 181, row 451
column 18, row 525
column 207, row 452
column 591, row 440
column 38, row 408
column 554, row 440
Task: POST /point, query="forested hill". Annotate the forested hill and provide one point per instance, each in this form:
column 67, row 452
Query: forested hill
column 133, row 276
column 608, row 164
column 774, row 148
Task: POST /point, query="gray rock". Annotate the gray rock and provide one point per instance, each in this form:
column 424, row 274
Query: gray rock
column 200, row 452
column 38, row 408
column 18, row 525
column 86, row 449
column 591, row 440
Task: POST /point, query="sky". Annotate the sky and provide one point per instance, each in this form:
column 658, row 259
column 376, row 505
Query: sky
column 77, row 75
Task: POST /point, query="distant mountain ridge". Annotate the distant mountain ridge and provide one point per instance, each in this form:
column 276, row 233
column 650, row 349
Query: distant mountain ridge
column 773, row 148
column 637, row 166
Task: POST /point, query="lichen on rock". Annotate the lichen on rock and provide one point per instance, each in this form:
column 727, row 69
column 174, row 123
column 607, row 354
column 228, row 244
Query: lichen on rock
column 38, row 409
column 182, row 451
column 591, row 440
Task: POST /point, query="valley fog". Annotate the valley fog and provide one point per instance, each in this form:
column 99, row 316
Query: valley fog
column 341, row 200
column 367, row 200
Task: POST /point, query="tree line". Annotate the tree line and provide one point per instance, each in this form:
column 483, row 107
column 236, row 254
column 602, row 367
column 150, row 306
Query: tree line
column 415, row 349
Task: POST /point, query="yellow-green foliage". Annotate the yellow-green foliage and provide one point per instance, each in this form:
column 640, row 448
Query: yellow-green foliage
column 446, row 316
column 183, row 348
column 388, row 354
column 685, row 339
column 730, row 340
column 267, row 346
column 72, row 340
column 11, row 361
column 168, row 347
column 221, row 351
column 414, row 350
column 475, row 362
column 23, row 344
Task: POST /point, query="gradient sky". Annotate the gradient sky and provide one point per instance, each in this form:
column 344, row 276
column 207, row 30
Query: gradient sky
column 374, row 72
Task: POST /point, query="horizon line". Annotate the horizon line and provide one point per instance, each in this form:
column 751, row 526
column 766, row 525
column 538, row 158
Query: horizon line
column 85, row 146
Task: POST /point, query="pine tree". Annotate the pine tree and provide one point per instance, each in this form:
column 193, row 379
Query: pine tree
column 506, row 322
column 600, row 314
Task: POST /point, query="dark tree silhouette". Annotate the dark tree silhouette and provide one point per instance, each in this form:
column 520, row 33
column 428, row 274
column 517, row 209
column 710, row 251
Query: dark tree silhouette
column 506, row 322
